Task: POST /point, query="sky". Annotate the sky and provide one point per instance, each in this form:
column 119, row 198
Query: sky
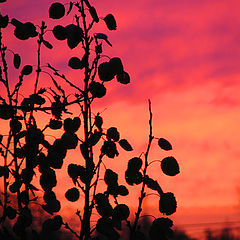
column 184, row 56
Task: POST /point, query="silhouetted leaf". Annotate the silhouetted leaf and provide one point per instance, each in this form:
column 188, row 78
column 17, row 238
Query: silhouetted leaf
column 161, row 229
column 110, row 22
column 16, row 61
column 122, row 190
column 75, row 63
column 94, row 138
column 116, row 65
column 167, row 203
column 98, row 122
column 110, row 177
column 49, row 196
column 164, row 144
column 55, row 124
column 24, row 197
column 123, row 78
column 48, row 180
column 15, row 125
column 72, row 125
column 102, row 205
column 125, row 145
column 51, row 207
column 105, row 72
column 135, row 164
column 113, row 134
column 11, row 212
column 70, row 140
column 109, row 148
column 4, row 21
column 56, row 10
column 75, row 35
column 25, row 217
column 27, row 69
column 60, row 32
column 1, row 138
column 97, row 89
column 53, row 224
column 47, row 44
column 105, row 227
column 93, row 13
column 121, row 211
column 37, row 99
column 6, row 112
column 72, row 194
column 133, row 177
column 169, row 166
column 103, row 37
column 151, row 183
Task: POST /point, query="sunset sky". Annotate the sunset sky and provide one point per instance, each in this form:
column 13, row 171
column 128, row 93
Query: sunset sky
column 185, row 57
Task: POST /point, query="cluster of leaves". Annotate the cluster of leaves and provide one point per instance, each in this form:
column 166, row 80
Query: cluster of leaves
column 26, row 151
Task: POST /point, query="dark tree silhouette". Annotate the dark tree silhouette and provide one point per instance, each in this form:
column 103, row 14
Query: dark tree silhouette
column 26, row 151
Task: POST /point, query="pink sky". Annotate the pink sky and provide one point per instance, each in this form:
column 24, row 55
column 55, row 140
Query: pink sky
column 184, row 56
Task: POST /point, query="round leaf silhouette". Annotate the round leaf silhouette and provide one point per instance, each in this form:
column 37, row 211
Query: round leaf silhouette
column 122, row 190
column 161, row 229
column 72, row 194
column 113, row 134
column 123, row 77
column 11, row 212
column 70, row 140
column 116, row 65
column 98, row 122
column 164, row 144
column 105, row 227
column 60, row 32
column 105, row 72
column 133, row 177
column 97, row 89
column 167, row 203
column 110, row 22
column 135, row 164
column 27, row 69
column 121, row 211
column 169, row 166
column 56, row 10
column 75, row 63
column 110, row 177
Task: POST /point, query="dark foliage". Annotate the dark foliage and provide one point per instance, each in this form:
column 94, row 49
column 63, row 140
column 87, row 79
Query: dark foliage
column 26, row 152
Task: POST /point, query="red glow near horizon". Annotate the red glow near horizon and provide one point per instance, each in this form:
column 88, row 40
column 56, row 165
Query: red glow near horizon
column 184, row 56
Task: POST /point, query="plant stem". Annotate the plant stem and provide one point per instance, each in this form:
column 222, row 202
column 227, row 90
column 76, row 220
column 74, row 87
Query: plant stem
column 143, row 194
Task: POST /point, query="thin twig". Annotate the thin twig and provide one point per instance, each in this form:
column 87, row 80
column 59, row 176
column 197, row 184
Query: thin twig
column 143, row 194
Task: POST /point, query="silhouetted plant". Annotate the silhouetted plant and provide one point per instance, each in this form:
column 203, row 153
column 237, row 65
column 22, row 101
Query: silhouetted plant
column 26, row 150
